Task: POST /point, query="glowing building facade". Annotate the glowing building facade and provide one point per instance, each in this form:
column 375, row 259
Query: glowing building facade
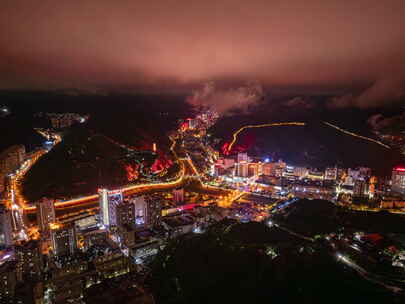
column 103, row 203
column 114, row 200
column 242, row 169
column 63, row 240
column 109, row 202
column 331, row 173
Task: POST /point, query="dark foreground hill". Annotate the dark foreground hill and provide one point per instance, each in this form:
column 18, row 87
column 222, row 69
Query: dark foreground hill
column 224, row 266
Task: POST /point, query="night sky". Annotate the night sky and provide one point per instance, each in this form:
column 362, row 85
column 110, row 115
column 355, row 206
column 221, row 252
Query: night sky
column 353, row 50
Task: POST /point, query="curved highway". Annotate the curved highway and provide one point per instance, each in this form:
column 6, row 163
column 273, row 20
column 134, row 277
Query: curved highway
column 187, row 169
column 131, row 189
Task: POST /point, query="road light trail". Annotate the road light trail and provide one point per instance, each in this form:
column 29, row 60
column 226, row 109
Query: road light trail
column 356, row 135
column 126, row 190
column 192, row 166
column 235, row 135
column 131, row 189
column 367, row 275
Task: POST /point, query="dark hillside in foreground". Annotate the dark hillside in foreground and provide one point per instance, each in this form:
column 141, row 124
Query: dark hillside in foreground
column 223, row 266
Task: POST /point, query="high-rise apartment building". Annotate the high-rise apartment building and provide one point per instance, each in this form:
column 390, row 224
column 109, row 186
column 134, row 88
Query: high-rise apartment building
column 154, row 209
column 242, row 157
column 289, row 173
column 141, row 211
column 10, row 160
column 29, row 261
column 267, row 169
column 108, row 202
column 361, row 188
column 45, row 216
column 63, row 238
column 125, row 214
column 279, row 168
column 8, row 281
column 103, row 203
column 254, row 169
column 178, row 195
column 331, row 173
column 242, row 169
column 6, row 231
column 114, row 200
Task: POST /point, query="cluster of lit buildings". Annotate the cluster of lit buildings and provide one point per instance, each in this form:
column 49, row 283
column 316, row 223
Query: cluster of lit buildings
column 70, row 256
column 119, row 219
column 64, row 120
column 279, row 178
column 64, row 255
column 245, row 167
column 124, row 218
column 203, row 120
column 10, row 160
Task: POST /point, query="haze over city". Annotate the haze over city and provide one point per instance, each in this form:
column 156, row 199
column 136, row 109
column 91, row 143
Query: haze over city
column 313, row 46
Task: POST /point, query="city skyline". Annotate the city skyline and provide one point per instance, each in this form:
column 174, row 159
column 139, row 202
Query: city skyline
column 185, row 152
column 120, row 231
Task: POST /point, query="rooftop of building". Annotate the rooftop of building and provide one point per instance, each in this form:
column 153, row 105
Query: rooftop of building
column 178, row 220
column 145, row 234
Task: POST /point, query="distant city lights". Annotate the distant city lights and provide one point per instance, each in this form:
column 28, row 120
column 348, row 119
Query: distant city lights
column 5, row 110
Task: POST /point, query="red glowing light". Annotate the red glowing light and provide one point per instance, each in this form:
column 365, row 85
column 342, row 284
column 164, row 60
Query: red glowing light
column 247, row 142
column 401, row 169
column 225, row 148
column 184, row 126
column 132, row 172
column 161, row 163
column 112, row 192
column 186, row 207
